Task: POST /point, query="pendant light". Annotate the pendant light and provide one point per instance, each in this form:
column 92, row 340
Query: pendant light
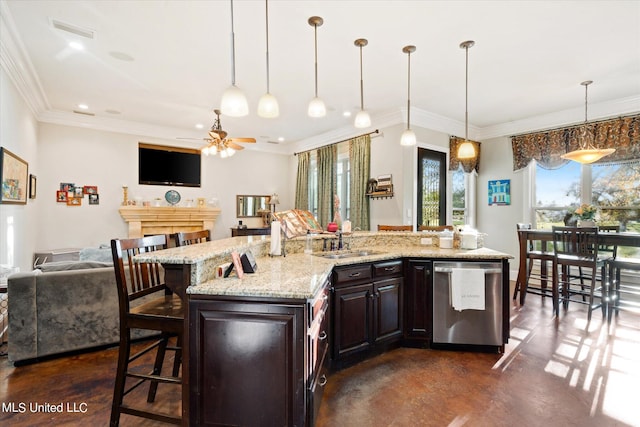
column 234, row 103
column 362, row 118
column 408, row 136
column 268, row 104
column 466, row 150
column 316, row 106
column 587, row 152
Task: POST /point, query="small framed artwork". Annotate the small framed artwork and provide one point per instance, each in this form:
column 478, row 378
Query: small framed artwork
column 13, row 178
column 62, row 196
column 32, row 186
column 94, row 199
column 67, row 186
column 235, row 257
column 90, row 189
column 500, row 192
column 74, row 201
column 78, row 193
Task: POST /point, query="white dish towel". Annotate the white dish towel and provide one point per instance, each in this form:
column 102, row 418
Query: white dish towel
column 467, row 289
column 275, row 239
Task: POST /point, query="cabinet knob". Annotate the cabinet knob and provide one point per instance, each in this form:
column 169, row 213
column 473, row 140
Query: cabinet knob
column 355, row 274
column 322, row 381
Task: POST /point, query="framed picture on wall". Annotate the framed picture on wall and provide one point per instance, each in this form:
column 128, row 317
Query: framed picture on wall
column 500, row 192
column 90, row 189
column 62, row 196
column 94, row 199
column 13, row 178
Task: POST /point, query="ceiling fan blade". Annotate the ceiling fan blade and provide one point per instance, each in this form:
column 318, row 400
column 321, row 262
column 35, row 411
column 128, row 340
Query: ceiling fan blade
column 234, row 146
column 251, row 140
column 214, row 135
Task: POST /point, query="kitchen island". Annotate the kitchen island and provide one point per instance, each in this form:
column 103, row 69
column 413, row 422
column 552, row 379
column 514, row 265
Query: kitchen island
column 261, row 347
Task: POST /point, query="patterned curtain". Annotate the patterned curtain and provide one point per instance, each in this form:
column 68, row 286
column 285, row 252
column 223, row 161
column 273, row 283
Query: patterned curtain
column 359, row 161
column 302, row 181
column 546, row 147
column 327, row 160
column 468, row 165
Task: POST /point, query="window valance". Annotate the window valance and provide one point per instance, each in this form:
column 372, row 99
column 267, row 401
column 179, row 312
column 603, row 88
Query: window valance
column 468, row 165
column 546, row 147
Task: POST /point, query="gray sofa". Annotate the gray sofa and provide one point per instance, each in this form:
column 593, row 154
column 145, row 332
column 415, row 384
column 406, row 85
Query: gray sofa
column 61, row 307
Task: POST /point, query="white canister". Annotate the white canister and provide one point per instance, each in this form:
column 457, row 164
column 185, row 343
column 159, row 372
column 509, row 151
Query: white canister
column 468, row 240
column 446, row 242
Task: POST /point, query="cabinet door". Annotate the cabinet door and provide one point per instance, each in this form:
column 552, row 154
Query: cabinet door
column 352, row 311
column 246, row 355
column 418, row 300
column 387, row 309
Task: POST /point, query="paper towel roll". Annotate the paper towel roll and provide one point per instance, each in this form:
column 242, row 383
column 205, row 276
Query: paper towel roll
column 275, row 239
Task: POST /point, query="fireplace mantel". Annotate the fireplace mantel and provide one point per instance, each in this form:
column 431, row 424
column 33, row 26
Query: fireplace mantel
column 146, row 220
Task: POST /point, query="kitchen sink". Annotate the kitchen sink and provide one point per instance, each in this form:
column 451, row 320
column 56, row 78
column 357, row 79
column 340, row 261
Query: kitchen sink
column 346, row 254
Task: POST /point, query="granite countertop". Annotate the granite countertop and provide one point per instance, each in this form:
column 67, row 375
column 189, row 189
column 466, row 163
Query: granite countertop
column 300, row 275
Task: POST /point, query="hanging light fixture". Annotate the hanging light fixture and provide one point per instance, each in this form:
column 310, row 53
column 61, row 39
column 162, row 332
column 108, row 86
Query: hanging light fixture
column 234, row 103
column 268, row 104
column 587, row 153
column 362, row 118
column 466, row 150
column 408, row 136
column 316, row 106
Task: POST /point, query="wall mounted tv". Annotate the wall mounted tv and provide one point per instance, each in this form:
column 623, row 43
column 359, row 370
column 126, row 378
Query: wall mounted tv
column 163, row 165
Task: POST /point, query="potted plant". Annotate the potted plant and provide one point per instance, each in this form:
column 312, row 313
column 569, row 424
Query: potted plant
column 586, row 215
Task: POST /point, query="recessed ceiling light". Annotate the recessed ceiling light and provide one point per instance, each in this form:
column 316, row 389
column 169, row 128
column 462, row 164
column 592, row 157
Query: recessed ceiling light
column 76, row 45
column 199, row 126
column 347, row 114
column 281, row 138
column 83, row 106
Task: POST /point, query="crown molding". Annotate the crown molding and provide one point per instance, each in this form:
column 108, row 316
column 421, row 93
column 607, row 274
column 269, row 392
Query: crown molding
column 16, row 63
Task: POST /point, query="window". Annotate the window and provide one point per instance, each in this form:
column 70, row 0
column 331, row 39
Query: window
column 458, row 202
column 342, row 181
column 613, row 188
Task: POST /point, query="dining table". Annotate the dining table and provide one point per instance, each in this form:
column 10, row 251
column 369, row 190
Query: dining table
column 545, row 237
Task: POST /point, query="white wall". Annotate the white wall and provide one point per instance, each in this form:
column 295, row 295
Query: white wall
column 18, row 134
column 108, row 160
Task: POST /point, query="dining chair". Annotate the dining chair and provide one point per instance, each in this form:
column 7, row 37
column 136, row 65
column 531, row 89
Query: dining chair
column 184, row 238
column 540, row 274
column 395, row 227
column 576, row 248
column 622, row 295
column 145, row 303
column 435, row 227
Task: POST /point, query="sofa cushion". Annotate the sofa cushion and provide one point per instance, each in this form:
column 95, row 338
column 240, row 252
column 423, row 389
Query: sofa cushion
column 101, row 253
column 72, row 265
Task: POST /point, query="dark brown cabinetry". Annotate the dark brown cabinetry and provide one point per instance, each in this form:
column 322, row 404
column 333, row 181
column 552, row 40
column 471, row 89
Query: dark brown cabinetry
column 417, row 309
column 367, row 309
column 257, row 362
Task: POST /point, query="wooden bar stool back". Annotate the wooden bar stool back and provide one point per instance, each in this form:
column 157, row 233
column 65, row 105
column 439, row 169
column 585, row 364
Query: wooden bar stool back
column 577, row 248
column 192, row 237
column 395, row 227
column 541, row 274
column 435, row 227
column 145, row 303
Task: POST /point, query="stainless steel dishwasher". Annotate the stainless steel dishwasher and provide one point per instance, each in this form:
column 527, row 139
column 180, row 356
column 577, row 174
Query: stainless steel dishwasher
column 468, row 326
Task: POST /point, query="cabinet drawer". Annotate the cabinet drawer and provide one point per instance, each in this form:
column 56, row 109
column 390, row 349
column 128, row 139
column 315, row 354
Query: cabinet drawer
column 319, row 304
column 357, row 273
column 389, row 268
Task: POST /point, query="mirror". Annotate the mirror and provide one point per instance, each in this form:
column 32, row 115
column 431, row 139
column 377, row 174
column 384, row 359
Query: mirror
column 251, row 206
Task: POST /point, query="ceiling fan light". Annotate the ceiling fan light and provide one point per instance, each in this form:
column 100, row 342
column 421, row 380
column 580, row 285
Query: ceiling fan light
column 362, row 119
column 268, row 106
column 587, row 156
column 234, row 103
column 408, row 138
column 317, row 108
column 466, row 150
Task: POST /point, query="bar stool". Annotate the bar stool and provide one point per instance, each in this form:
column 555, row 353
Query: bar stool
column 543, row 277
column 184, row 238
column 619, row 289
column 576, row 247
column 145, row 303
column 395, row 227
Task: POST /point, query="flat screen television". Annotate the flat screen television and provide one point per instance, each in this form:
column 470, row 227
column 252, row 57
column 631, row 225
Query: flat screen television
column 164, row 165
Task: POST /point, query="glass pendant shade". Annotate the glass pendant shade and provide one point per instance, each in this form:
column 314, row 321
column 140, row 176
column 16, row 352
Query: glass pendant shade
column 234, row 103
column 408, row 138
column 586, row 156
column 466, row 151
column 268, row 106
column 317, row 108
column 362, row 119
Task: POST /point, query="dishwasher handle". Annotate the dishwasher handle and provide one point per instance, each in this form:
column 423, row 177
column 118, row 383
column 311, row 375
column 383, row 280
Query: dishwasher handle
column 486, row 270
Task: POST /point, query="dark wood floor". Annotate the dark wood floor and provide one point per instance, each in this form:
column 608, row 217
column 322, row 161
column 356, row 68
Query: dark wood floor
column 554, row 372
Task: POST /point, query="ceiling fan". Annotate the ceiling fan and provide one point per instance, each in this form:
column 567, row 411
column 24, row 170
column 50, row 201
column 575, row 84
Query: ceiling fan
column 219, row 143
